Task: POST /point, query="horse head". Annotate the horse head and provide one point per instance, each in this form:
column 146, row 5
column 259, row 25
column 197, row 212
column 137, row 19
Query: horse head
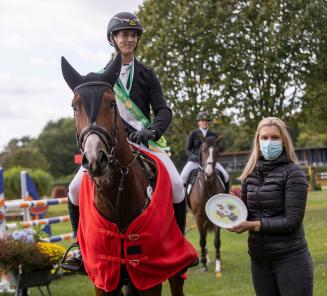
column 209, row 153
column 96, row 115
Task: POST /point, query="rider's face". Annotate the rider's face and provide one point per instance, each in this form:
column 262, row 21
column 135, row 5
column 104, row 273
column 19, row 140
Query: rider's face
column 203, row 123
column 126, row 41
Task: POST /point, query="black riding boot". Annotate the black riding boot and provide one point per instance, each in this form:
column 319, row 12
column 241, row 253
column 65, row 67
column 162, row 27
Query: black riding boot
column 226, row 184
column 74, row 216
column 73, row 263
column 180, row 215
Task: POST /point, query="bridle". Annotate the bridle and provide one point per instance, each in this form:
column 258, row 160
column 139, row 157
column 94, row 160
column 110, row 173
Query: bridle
column 110, row 140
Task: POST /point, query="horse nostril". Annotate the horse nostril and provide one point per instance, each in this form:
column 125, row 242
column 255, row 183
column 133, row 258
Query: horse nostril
column 85, row 162
column 102, row 160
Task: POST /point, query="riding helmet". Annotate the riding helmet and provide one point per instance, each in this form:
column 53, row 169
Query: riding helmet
column 121, row 21
column 203, row 115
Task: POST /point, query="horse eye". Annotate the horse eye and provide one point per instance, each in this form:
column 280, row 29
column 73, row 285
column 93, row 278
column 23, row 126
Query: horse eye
column 74, row 107
column 112, row 105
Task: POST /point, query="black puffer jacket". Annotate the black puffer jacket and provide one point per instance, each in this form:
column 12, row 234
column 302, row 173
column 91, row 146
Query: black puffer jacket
column 276, row 193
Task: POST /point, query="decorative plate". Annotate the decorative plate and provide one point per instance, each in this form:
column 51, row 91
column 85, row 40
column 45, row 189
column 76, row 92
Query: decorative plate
column 226, row 210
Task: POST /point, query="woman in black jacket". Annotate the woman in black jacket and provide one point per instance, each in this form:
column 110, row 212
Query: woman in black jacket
column 274, row 189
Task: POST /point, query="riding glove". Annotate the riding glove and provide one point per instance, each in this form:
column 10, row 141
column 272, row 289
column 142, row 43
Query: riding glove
column 143, row 136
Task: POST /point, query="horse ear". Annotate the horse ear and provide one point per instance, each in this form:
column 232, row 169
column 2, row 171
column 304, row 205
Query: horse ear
column 112, row 72
column 71, row 76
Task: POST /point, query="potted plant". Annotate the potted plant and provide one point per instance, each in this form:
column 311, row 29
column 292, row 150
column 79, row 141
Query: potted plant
column 30, row 263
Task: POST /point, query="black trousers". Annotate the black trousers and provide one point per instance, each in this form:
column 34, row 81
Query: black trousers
column 290, row 276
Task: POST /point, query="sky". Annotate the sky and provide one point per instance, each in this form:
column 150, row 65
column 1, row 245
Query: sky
column 34, row 34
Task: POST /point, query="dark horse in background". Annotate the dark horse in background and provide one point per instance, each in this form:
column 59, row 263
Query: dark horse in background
column 120, row 181
column 207, row 184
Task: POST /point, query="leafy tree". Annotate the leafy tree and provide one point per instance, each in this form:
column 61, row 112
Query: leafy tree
column 178, row 43
column 57, row 143
column 244, row 59
column 313, row 118
column 11, row 148
column 27, row 157
column 270, row 47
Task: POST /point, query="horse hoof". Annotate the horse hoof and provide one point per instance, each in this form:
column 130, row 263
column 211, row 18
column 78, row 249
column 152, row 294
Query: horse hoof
column 218, row 274
column 204, row 269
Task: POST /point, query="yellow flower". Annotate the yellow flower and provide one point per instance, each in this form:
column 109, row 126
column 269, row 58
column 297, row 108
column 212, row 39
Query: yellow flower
column 54, row 251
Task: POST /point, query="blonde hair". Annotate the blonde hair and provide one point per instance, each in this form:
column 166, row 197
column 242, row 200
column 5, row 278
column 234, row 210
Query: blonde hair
column 287, row 142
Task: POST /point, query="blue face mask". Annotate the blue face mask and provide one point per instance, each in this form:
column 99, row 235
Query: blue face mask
column 271, row 149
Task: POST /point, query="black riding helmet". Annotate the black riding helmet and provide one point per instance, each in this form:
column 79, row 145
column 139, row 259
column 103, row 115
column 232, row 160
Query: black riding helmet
column 123, row 21
column 203, row 115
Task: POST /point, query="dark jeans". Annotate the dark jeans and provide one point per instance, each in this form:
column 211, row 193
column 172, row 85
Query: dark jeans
column 290, row 276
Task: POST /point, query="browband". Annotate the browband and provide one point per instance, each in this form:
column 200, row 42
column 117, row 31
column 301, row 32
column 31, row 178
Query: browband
column 92, row 83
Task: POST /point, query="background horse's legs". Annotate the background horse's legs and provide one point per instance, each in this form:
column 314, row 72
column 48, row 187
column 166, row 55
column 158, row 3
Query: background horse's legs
column 203, row 227
column 217, row 247
column 176, row 285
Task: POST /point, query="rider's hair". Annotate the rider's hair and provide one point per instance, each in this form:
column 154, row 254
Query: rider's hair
column 287, row 143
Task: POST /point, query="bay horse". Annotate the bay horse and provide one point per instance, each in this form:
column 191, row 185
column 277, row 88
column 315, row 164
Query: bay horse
column 119, row 180
column 206, row 184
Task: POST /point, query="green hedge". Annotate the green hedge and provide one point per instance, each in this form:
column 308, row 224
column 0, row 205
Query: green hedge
column 42, row 180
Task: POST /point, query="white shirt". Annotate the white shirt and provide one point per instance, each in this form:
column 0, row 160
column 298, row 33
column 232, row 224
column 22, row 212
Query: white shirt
column 204, row 131
column 124, row 73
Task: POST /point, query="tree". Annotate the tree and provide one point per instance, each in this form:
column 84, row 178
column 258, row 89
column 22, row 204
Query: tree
column 271, row 48
column 178, row 43
column 313, row 117
column 243, row 59
column 11, row 149
column 57, row 143
column 27, row 157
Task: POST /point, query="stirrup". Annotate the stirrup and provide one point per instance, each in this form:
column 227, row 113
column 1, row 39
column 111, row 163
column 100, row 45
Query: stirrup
column 72, row 263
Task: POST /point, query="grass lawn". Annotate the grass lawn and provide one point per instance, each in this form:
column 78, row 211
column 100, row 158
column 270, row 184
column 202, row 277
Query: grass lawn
column 236, row 278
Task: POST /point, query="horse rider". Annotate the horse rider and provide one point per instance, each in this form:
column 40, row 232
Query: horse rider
column 194, row 142
column 140, row 90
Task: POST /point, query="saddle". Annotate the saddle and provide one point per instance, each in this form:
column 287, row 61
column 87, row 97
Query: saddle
column 149, row 167
column 191, row 180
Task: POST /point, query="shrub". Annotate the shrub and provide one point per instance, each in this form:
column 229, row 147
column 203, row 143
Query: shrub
column 42, row 179
column 32, row 255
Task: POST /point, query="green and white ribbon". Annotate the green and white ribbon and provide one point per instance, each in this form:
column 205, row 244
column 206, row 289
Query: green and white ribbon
column 135, row 117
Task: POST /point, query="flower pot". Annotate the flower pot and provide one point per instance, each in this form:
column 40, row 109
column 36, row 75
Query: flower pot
column 32, row 279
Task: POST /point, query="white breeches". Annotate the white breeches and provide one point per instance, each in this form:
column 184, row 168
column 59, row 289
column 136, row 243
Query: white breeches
column 191, row 165
column 175, row 178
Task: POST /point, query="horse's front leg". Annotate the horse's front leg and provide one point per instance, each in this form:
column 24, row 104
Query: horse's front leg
column 154, row 291
column 202, row 226
column 217, row 247
column 117, row 292
column 176, row 285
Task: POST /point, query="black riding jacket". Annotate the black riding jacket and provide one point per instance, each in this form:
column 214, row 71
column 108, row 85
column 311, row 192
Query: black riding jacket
column 276, row 193
column 146, row 91
column 194, row 142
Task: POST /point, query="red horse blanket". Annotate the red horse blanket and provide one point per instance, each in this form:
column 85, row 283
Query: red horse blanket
column 153, row 246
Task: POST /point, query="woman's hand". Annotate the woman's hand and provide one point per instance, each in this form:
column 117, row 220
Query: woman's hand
column 245, row 226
